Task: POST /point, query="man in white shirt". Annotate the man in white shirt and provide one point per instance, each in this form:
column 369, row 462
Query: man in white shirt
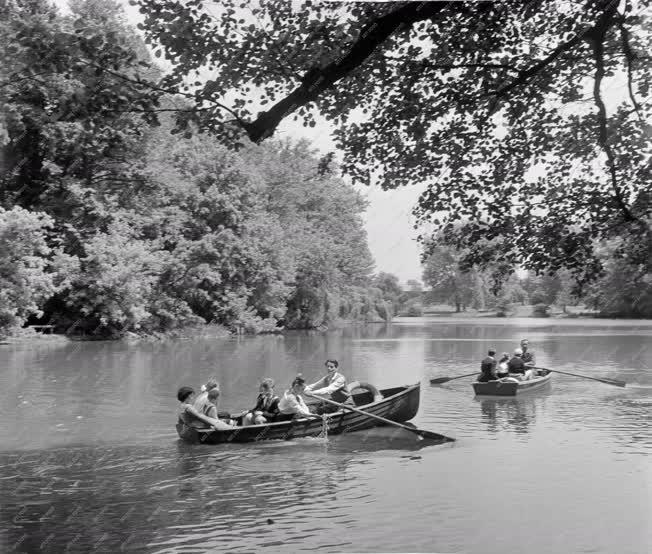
column 332, row 386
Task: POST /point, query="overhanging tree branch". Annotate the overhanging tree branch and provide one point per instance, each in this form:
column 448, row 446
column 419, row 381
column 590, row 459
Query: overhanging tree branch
column 596, row 40
column 629, row 61
column 319, row 79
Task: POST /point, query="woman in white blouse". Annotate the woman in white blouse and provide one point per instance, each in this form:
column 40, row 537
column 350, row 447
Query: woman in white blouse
column 292, row 405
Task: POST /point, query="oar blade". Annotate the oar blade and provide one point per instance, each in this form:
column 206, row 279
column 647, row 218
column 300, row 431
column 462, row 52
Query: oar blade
column 614, row 382
column 433, row 436
column 440, row 380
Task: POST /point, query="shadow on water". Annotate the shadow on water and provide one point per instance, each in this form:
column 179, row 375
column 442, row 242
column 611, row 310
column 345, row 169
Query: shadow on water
column 76, row 498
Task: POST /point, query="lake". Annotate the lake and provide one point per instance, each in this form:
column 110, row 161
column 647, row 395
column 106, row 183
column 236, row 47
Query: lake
column 90, row 460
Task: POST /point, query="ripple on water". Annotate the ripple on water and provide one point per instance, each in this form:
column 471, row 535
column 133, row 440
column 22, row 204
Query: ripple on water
column 97, row 464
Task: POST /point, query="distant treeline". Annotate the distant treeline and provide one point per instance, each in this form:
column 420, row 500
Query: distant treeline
column 109, row 223
column 622, row 289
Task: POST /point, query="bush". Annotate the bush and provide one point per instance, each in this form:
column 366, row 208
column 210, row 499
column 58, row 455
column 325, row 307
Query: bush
column 30, row 270
column 541, row 310
column 414, row 309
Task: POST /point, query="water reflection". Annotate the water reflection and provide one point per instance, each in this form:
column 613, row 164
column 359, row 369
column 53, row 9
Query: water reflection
column 517, row 414
column 90, row 461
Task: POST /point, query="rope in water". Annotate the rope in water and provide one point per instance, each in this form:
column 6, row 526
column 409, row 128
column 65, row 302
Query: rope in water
column 324, row 427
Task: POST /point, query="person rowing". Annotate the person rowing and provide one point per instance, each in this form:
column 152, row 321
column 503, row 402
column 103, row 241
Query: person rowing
column 528, row 360
column 331, row 386
column 488, row 367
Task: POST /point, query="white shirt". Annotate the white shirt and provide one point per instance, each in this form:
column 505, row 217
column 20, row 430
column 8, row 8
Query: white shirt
column 328, row 384
column 291, row 403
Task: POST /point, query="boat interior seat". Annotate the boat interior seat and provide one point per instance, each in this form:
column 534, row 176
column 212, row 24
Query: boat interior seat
column 363, row 393
column 362, row 397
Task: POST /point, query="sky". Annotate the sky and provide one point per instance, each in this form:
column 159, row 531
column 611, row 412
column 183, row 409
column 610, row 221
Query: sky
column 388, row 219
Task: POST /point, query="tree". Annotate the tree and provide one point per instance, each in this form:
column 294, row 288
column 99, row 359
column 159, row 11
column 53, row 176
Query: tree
column 414, row 285
column 30, row 270
column 390, row 288
column 493, row 96
column 447, row 281
column 72, row 105
column 625, row 290
column 166, row 233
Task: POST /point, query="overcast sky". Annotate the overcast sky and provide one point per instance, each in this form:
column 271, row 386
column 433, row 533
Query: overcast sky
column 388, row 220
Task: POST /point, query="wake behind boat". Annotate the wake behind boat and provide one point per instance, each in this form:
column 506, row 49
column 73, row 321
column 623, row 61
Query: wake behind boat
column 512, row 387
column 397, row 404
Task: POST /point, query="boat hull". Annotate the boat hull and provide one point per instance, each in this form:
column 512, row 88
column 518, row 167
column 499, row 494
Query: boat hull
column 398, row 404
column 499, row 388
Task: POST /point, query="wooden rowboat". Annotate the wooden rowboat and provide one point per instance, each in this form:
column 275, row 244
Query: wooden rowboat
column 397, row 404
column 502, row 388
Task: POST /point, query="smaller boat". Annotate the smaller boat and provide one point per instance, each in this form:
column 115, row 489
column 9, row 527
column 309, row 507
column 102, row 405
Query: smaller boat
column 510, row 387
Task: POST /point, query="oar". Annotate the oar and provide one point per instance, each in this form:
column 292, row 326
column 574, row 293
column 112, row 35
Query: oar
column 614, row 382
column 440, row 380
column 420, row 432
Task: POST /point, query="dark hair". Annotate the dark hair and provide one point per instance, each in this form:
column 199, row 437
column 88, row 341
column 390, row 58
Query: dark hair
column 334, row 362
column 184, row 392
column 298, row 380
column 492, row 352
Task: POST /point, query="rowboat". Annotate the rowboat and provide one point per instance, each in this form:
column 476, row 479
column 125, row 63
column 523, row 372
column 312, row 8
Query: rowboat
column 512, row 388
column 397, row 404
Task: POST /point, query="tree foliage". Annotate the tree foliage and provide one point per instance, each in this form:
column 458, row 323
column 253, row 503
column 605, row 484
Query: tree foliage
column 499, row 108
column 448, row 283
column 158, row 231
column 31, row 270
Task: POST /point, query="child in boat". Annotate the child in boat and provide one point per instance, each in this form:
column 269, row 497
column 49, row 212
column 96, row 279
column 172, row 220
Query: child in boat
column 210, row 408
column 201, row 401
column 189, row 415
column 266, row 408
column 292, row 404
column 516, row 366
column 502, row 370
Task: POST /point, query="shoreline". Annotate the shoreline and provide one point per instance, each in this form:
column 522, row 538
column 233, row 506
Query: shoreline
column 26, row 336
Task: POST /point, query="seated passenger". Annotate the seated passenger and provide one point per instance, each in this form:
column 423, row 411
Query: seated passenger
column 503, row 370
column 292, row 404
column 210, row 408
column 185, row 395
column 189, row 415
column 266, row 408
column 515, row 366
column 201, row 400
column 488, row 367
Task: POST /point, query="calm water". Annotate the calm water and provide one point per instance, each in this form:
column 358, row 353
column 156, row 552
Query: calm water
column 90, row 460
